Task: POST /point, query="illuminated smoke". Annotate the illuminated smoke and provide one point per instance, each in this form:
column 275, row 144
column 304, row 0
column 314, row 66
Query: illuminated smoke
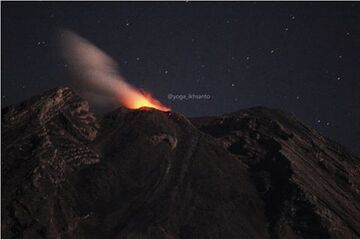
column 98, row 78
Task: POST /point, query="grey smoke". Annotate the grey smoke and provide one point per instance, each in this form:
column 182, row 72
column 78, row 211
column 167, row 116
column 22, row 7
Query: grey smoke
column 96, row 74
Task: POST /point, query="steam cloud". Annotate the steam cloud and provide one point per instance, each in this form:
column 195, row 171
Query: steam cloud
column 97, row 76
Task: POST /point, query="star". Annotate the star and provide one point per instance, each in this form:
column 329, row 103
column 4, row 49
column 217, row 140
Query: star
column 232, row 58
column 298, row 97
column 232, row 84
column 293, row 17
column 319, row 121
column 338, row 78
column 138, row 58
column 248, row 58
column 272, row 51
column 227, row 21
column 39, row 43
column 166, row 72
column 202, row 66
column 328, row 123
column 127, row 24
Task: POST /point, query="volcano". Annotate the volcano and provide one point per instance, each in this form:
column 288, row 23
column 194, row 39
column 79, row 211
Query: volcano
column 143, row 173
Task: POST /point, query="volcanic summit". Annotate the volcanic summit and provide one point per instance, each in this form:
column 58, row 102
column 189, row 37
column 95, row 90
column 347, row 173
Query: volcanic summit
column 142, row 173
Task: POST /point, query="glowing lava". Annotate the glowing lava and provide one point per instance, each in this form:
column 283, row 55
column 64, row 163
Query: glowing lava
column 135, row 99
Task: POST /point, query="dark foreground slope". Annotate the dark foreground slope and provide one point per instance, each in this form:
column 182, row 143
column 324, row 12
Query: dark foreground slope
column 310, row 185
column 142, row 173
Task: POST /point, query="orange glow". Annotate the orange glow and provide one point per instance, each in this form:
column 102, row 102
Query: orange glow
column 136, row 100
column 98, row 75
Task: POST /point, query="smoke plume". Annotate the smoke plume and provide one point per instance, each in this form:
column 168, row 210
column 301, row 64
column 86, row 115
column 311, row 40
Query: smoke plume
column 97, row 77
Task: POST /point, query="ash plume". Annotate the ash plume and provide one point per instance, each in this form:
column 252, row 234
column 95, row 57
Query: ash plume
column 97, row 77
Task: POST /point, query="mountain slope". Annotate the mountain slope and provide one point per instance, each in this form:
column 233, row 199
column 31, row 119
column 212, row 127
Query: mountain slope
column 146, row 174
column 256, row 173
column 310, row 185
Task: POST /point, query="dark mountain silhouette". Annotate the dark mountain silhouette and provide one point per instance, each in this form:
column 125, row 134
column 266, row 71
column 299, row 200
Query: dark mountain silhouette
column 256, row 173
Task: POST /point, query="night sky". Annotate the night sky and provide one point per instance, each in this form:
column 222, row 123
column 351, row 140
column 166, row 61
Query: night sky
column 300, row 57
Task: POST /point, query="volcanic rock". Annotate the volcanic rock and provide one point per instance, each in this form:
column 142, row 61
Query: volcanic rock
column 309, row 184
column 256, row 173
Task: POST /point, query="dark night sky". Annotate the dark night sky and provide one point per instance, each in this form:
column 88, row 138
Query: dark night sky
column 299, row 57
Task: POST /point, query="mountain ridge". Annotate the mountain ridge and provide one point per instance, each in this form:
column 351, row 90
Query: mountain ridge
column 254, row 173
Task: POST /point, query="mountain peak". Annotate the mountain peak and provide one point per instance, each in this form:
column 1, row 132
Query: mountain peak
column 144, row 173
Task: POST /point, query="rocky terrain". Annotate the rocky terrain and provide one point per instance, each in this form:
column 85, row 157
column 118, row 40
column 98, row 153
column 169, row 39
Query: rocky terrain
column 256, row 173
